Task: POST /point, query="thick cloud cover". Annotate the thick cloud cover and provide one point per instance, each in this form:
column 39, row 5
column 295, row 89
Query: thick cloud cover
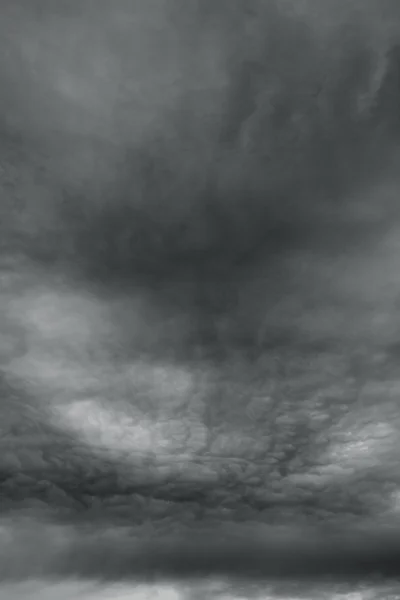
column 208, row 178
column 214, row 127
column 192, row 145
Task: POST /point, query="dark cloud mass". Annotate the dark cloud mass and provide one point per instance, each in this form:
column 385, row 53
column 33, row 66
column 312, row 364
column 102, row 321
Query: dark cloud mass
column 207, row 183
column 191, row 141
column 205, row 132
